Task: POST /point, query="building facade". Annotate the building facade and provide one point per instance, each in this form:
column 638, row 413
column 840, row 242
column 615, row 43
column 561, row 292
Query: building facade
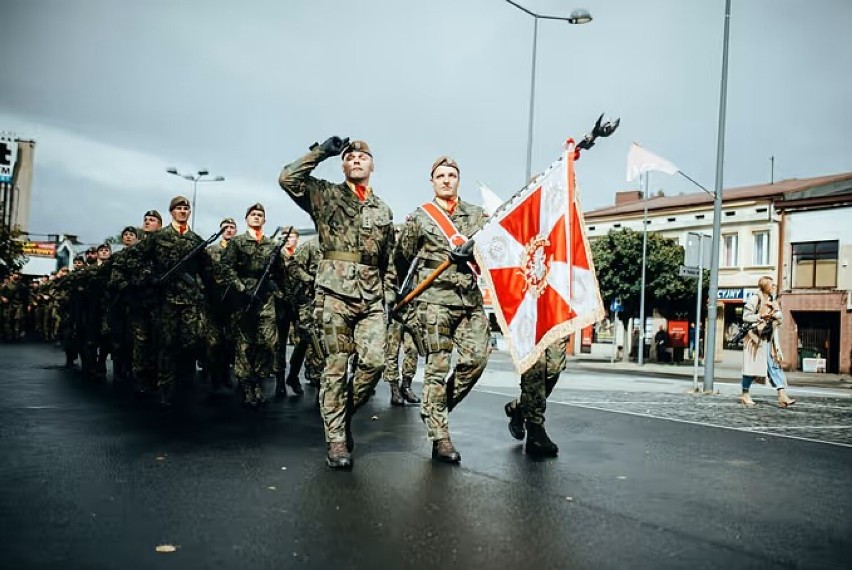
column 755, row 240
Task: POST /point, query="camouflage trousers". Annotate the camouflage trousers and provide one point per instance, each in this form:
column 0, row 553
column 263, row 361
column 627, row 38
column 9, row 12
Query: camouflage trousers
column 306, row 352
column 13, row 322
column 177, row 339
column 285, row 318
column 143, row 364
column 219, row 343
column 256, row 343
column 443, row 328
column 349, row 327
column 396, row 336
column 538, row 382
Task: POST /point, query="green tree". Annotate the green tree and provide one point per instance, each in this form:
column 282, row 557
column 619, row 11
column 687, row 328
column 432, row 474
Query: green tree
column 618, row 264
column 11, row 251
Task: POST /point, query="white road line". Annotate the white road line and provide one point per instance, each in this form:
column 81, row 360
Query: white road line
column 754, row 430
column 806, row 427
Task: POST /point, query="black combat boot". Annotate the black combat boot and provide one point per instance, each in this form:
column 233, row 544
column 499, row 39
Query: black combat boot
column 443, row 451
column 280, row 386
column 295, row 385
column 396, row 396
column 407, row 393
column 516, row 421
column 338, row 457
column 538, row 444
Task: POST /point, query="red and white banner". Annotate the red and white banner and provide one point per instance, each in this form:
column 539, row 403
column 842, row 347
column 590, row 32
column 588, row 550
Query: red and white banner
column 535, row 258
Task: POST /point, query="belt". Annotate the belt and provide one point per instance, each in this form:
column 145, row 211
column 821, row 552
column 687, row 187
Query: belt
column 371, row 260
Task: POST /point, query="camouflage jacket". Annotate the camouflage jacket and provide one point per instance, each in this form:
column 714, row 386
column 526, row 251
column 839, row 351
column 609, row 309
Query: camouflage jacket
column 303, row 270
column 346, row 227
column 421, row 237
column 161, row 251
column 244, row 261
column 216, row 250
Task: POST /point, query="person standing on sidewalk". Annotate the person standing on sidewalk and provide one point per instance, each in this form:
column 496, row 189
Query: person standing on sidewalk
column 762, row 346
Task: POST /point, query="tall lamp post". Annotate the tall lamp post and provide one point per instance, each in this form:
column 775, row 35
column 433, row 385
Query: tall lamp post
column 710, row 352
column 195, row 179
column 580, row 16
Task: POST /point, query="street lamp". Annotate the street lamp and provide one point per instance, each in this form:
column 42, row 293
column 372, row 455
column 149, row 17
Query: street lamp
column 580, row 16
column 195, row 179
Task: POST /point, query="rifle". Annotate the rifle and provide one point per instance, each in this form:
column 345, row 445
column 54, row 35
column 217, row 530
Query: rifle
column 268, row 268
column 426, row 283
column 203, row 245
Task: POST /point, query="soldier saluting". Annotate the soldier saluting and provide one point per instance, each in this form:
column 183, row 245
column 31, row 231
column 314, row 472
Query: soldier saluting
column 354, row 280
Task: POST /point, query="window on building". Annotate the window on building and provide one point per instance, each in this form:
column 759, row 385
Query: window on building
column 814, row 264
column 729, row 250
column 760, row 253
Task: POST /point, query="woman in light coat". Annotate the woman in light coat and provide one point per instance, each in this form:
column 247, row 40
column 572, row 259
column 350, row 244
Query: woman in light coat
column 762, row 345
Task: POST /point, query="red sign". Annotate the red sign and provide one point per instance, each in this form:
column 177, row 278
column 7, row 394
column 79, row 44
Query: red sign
column 39, row 249
column 678, row 334
column 586, row 338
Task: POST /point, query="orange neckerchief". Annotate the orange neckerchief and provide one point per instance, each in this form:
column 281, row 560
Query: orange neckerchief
column 360, row 190
column 449, row 206
column 179, row 228
column 290, row 251
column 258, row 234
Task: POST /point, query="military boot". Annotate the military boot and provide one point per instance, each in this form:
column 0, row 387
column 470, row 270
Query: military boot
column 295, row 385
column 443, row 451
column 516, row 421
column 538, row 444
column 396, row 396
column 407, row 393
column 280, row 386
column 338, row 457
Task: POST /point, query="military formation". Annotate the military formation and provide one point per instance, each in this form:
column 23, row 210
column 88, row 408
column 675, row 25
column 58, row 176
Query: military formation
column 170, row 303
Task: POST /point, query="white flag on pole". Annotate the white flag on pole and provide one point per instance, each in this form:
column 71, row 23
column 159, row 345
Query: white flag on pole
column 490, row 200
column 640, row 160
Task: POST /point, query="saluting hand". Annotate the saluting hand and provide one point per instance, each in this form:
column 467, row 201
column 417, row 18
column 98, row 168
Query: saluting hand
column 332, row 146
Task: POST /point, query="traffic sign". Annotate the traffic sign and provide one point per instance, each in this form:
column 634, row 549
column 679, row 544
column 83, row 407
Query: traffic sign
column 692, row 272
column 615, row 306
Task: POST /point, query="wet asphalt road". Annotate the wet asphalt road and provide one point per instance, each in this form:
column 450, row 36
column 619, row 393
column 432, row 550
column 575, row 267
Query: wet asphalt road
column 91, row 478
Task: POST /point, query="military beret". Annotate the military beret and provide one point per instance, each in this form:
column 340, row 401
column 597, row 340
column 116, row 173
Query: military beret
column 357, row 146
column 258, row 206
column 178, row 201
column 227, row 221
column 104, row 246
column 153, row 214
column 444, row 161
column 131, row 229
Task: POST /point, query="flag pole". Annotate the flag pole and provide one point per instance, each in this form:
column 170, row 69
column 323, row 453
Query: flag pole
column 640, row 351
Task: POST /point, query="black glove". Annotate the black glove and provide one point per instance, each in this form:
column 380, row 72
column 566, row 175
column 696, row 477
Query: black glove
column 332, row 146
column 462, row 254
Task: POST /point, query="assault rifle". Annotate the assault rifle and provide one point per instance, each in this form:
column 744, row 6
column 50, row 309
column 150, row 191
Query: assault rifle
column 255, row 294
column 200, row 247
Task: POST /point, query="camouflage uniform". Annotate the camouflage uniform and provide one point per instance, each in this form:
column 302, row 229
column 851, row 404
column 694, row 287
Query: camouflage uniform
column 221, row 326
column 16, row 296
column 308, row 350
column 179, row 319
column 448, row 314
column 256, row 334
column 396, row 337
column 96, row 341
column 287, row 316
column 129, row 287
column 353, row 278
column 538, row 382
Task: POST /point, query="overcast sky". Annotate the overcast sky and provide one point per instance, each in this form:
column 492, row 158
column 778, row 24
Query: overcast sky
column 115, row 91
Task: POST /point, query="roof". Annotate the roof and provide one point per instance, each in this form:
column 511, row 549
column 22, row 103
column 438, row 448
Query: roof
column 794, row 187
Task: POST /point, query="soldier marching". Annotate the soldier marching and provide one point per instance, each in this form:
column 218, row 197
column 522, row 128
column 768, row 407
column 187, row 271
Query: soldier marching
column 169, row 303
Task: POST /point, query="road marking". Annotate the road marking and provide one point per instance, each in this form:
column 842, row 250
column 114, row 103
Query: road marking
column 805, row 427
column 754, row 430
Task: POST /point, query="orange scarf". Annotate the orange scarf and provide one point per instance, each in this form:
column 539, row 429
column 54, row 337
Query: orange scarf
column 449, row 205
column 258, row 234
